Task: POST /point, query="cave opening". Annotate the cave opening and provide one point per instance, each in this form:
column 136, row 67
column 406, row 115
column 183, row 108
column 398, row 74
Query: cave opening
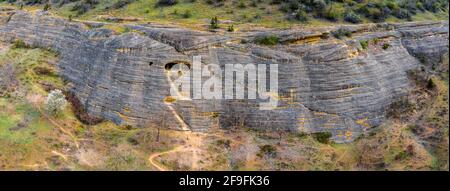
column 170, row 65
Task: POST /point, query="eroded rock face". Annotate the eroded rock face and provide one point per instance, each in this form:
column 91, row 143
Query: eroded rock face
column 325, row 84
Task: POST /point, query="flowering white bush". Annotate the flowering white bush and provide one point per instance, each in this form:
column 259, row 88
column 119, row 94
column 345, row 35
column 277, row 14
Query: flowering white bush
column 56, row 102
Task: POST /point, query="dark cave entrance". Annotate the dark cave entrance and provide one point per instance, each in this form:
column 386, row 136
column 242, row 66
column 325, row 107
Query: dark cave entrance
column 170, row 65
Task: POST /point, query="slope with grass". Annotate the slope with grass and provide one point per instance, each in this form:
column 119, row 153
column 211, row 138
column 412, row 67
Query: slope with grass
column 33, row 140
column 411, row 138
column 248, row 14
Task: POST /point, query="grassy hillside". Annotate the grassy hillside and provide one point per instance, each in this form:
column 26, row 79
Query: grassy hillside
column 267, row 13
column 414, row 138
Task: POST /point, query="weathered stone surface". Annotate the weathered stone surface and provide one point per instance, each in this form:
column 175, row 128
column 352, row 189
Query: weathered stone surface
column 324, row 84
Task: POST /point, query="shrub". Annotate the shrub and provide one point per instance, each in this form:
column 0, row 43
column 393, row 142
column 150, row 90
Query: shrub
column 56, row 102
column 120, row 4
column 352, row 18
column 402, row 14
column 84, row 6
column 319, row 4
column 268, row 40
column 276, row 2
column 432, row 5
column 231, row 28
column 224, row 143
column 216, row 3
column 301, row 16
column 80, row 112
column 341, row 32
column 430, row 84
column 331, row 13
column 175, row 12
column 375, row 40
column 284, row 8
column 46, row 7
column 294, row 5
column 325, row 35
column 254, row 3
column 323, row 137
column 364, row 44
column 376, row 14
column 187, row 14
column 20, row 44
column 39, row 70
column 386, row 46
column 214, row 24
column 420, row 6
column 267, row 150
column 242, row 4
column 166, row 2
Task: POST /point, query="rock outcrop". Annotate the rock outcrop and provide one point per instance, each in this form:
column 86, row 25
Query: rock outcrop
column 325, row 84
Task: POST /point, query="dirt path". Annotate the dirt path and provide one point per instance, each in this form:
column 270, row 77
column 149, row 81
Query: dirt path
column 159, row 166
column 194, row 143
column 36, row 101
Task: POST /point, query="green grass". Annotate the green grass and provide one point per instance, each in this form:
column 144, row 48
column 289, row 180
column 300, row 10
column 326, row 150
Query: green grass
column 23, row 113
column 268, row 40
column 264, row 14
column 38, row 136
column 26, row 60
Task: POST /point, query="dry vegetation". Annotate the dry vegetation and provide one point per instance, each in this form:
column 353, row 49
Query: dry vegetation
column 414, row 138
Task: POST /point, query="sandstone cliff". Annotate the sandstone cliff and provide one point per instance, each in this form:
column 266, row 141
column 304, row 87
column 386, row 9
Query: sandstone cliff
column 325, row 84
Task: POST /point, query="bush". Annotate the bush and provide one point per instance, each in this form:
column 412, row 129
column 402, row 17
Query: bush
column 341, row 32
column 46, row 7
column 402, row 14
column 430, row 84
column 376, row 14
column 285, row 8
column 254, row 3
column 242, row 4
column 39, row 70
column 20, row 44
column 267, row 150
column 214, row 24
column 166, row 2
column 364, row 44
column 294, row 5
column 331, row 14
column 323, row 137
column 301, row 16
column 231, row 28
column 386, row 46
column 120, row 4
column 216, row 3
column 80, row 112
column 432, row 5
column 420, row 6
column 84, row 6
column 56, row 102
column 352, row 18
column 187, row 14
column 319, row 4
column 268, row 40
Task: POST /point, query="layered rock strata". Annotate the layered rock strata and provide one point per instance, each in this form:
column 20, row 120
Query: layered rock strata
column 325, row 84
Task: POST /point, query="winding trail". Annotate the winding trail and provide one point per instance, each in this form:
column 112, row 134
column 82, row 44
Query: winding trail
column 159, row 166
column 195, row 142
